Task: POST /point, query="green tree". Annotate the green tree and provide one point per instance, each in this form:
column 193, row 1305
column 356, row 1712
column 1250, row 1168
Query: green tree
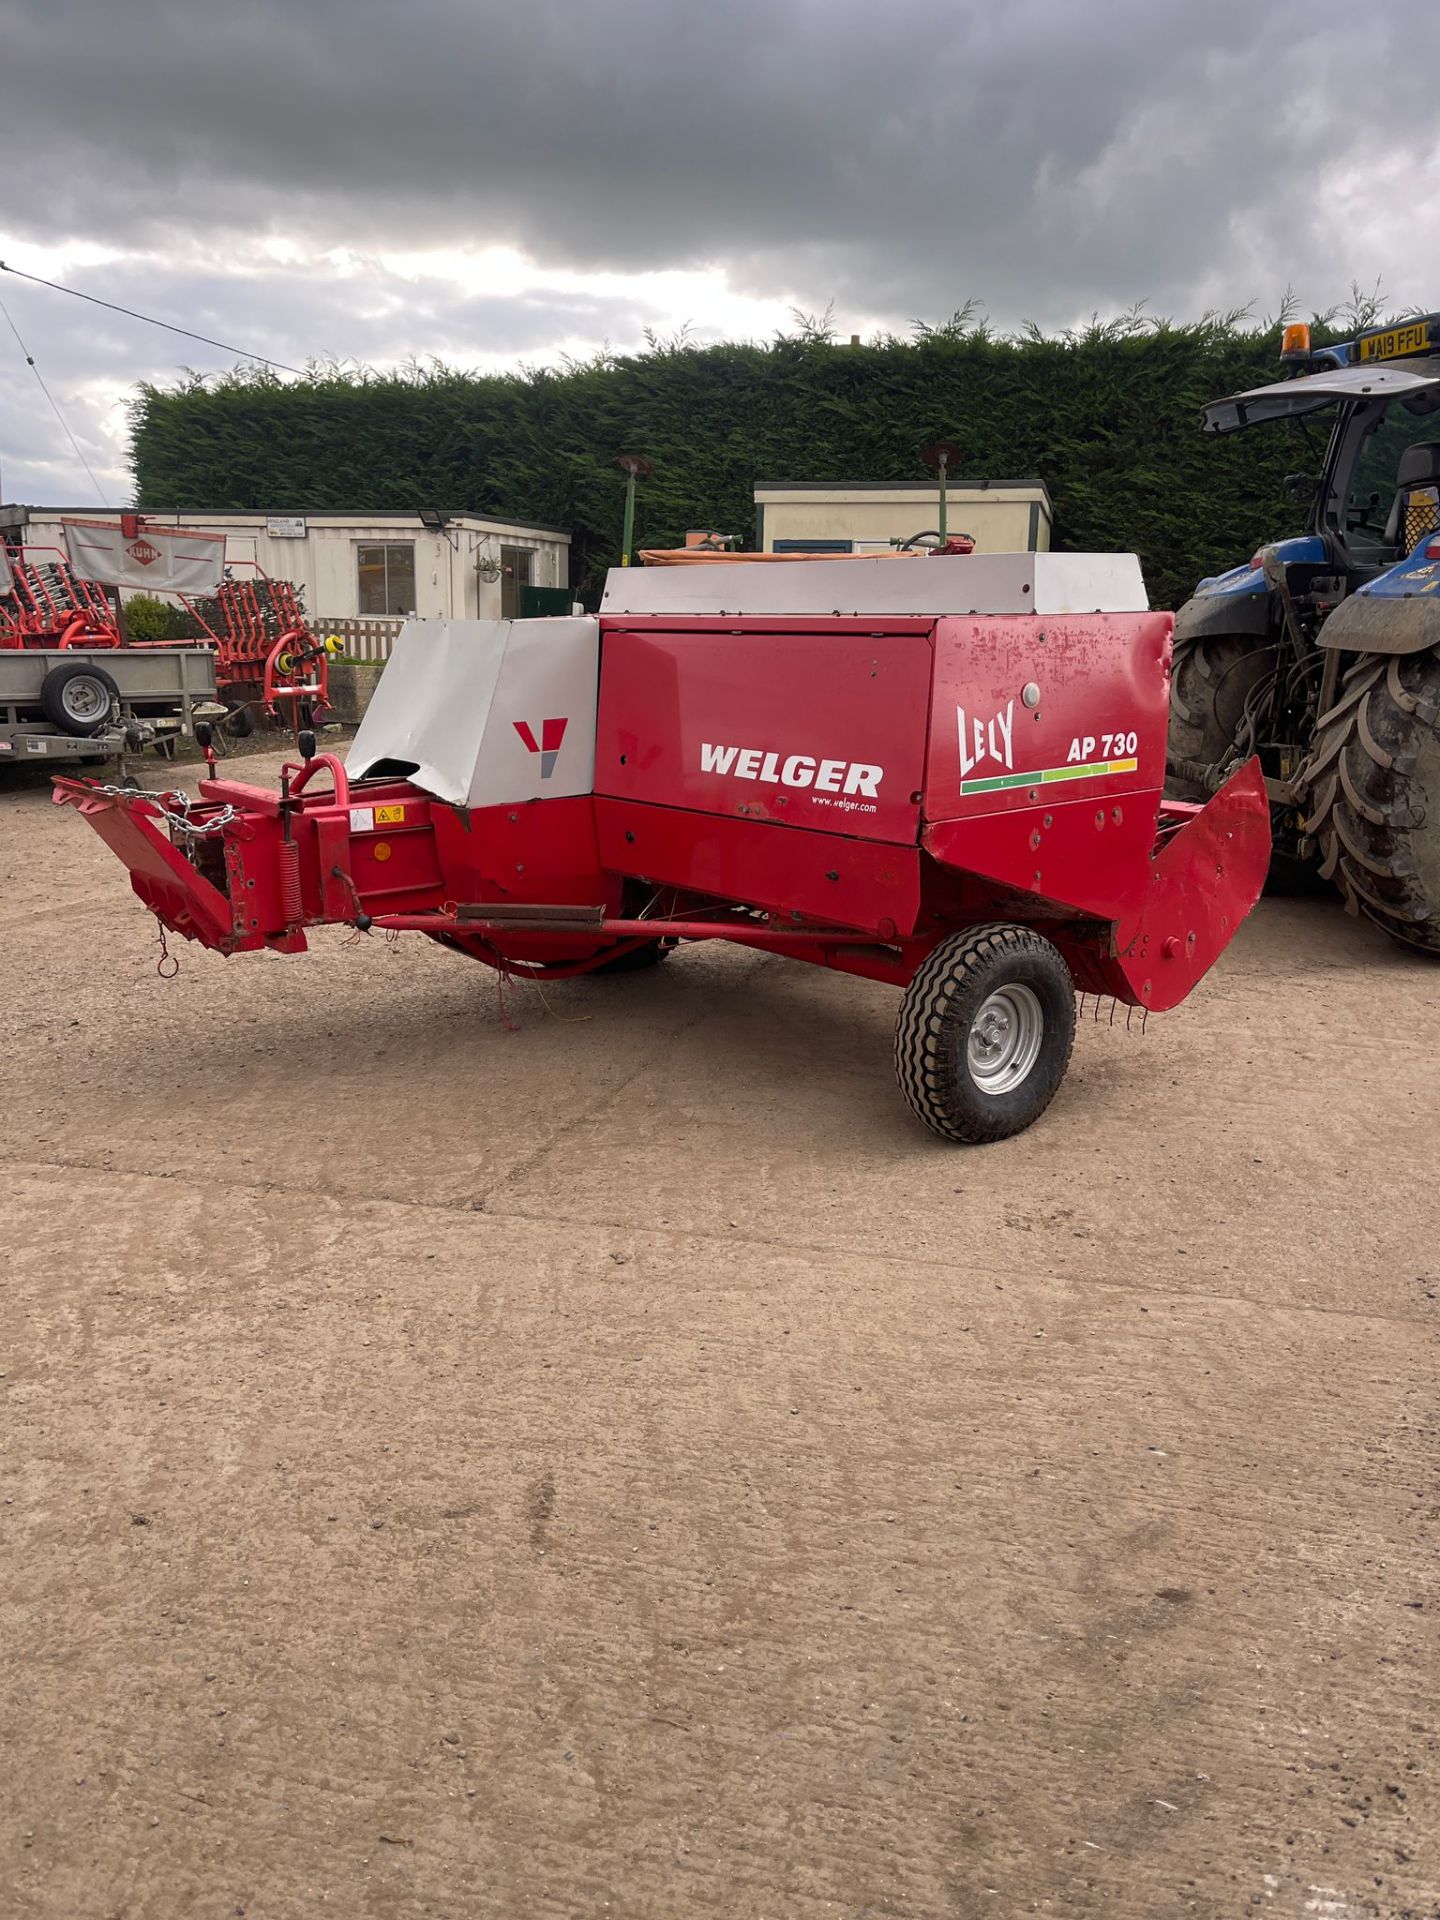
column 1106, row 415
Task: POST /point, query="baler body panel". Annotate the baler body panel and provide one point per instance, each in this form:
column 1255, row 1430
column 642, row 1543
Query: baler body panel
column 535, row 850
column 1093, row 727
column 1047, row 754
column 797, row 872
column 1080, row 858
column 801, row 727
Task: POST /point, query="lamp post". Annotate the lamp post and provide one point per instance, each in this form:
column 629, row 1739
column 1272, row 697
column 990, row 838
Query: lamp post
column 941, row 456
column 635, row 467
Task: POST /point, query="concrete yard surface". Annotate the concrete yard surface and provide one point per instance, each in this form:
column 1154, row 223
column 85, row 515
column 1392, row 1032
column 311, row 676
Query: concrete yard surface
column 626, row 1466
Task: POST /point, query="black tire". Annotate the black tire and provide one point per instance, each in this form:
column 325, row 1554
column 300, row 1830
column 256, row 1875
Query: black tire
column 79, row 698
column 637, row 960
column 935, row 1060
column 239, row 722
column 1210, row 679
column 1374, row 782
column 1289, row 878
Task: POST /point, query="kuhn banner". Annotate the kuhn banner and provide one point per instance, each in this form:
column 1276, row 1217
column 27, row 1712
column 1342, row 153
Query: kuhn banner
column 155, row 560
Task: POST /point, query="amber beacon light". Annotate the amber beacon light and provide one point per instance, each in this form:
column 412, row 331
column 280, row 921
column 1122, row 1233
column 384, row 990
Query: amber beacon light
column 1295, row 341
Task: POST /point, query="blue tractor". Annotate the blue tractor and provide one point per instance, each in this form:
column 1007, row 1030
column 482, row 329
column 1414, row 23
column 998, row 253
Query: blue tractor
column 1322, row 653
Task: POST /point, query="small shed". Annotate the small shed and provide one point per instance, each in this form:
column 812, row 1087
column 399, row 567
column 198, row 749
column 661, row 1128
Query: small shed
column 861, row 516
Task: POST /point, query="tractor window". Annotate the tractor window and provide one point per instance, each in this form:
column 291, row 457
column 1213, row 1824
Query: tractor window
column 1371, row 492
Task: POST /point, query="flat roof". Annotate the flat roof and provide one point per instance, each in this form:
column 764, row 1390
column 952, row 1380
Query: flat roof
column 955, row 483
column 179, row 514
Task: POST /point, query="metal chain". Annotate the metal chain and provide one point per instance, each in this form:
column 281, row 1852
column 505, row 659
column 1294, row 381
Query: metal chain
column 174, row 807
column 168, row 965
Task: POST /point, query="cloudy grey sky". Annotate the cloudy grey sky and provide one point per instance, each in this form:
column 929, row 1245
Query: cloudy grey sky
column 491, row 183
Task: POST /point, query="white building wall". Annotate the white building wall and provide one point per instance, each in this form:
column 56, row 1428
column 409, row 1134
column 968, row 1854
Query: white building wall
column 323, row 563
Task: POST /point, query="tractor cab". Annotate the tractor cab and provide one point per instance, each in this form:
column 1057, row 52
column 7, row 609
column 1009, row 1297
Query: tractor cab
column 1375, row 506
column 1321, row 653
column 1378, row 493
column 1387, row 483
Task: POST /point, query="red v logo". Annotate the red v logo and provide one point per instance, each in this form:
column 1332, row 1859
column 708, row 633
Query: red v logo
column 552, row 733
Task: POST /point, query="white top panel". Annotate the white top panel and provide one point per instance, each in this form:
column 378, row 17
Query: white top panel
column 486, row 712
column 950, row 584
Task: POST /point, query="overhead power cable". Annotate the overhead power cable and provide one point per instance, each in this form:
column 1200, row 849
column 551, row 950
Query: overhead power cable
column 64, row 423
column 149, row 319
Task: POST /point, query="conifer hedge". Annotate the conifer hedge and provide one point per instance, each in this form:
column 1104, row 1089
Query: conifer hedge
column 1107, row 417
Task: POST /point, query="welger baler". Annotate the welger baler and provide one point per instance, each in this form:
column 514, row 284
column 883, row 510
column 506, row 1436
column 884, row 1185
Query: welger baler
column 943, row 773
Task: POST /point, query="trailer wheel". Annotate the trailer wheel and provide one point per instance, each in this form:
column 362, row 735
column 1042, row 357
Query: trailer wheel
column 79, row 698
column 985, row 1032
column 1374, row 783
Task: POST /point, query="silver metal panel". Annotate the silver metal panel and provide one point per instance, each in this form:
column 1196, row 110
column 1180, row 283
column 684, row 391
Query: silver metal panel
column 38, row 745
column 950, row 584
column 461, row 701
column 143, row 675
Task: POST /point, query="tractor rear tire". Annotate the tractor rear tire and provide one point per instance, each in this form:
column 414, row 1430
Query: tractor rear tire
column 1210, row 680
column 1374, row 782
column 985, row 1032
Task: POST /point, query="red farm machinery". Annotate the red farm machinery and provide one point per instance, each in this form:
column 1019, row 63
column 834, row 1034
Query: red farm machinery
column 945, row 775
column 267, row 664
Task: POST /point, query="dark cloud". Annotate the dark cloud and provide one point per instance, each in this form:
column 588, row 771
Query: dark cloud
column 1041, row 154
column 1048, row 157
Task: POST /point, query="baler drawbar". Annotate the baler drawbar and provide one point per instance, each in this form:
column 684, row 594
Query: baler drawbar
column 966, row 806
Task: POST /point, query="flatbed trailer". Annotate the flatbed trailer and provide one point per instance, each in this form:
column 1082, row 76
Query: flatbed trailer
column 264, row 657
column 80, row 703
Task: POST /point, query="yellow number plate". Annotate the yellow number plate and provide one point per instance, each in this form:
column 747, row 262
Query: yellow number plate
column 1414, row 338
column 389, row 816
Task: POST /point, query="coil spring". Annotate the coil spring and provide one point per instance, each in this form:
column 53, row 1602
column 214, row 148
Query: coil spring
column 290, row 899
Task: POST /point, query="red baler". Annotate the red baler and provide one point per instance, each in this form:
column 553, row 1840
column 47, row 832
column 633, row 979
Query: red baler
column 943, row 774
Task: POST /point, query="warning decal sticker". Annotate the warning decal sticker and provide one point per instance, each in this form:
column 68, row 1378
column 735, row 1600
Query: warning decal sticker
column 1047, row 776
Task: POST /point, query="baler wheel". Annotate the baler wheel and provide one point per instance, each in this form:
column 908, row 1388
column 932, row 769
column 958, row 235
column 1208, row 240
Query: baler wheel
column 985, row 1032
column 1374, row 782
column 635, row 906
column 635, row 960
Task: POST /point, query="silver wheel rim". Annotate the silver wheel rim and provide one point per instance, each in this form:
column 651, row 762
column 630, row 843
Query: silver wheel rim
column 86, row 700
column 1004, row 1039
